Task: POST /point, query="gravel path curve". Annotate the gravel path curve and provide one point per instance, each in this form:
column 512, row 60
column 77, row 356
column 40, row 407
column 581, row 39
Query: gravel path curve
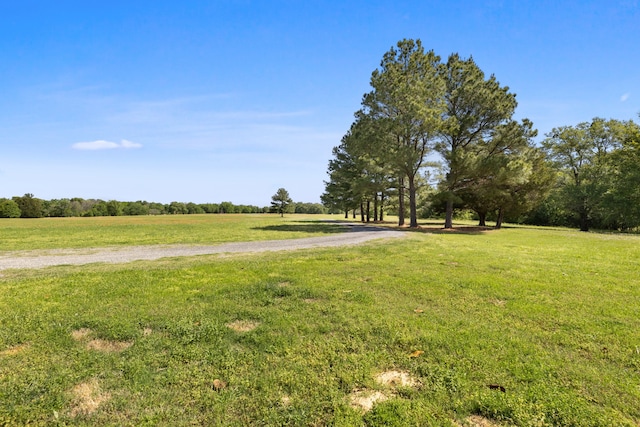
column 356, row 234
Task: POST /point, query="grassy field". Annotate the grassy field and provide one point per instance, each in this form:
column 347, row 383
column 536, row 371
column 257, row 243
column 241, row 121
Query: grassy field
column 521, row 326
column 74, row 232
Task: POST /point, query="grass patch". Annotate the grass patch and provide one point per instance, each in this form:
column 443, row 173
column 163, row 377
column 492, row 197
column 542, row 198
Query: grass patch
column 513, row 327
column 74, row 232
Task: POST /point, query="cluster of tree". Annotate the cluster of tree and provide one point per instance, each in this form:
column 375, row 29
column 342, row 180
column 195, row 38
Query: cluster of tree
column 445, row 132
column 420, row 106
column 598, row 170
column 28, row 206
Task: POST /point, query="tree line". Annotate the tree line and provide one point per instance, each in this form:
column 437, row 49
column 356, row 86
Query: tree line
column 440, row 136
column 29, row 206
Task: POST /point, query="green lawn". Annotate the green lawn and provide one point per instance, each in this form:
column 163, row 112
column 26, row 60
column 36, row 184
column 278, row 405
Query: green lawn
column 522, row 326
column 52, row 233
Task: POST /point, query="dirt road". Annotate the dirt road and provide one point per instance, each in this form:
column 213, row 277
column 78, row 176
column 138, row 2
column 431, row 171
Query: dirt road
column 356, row 234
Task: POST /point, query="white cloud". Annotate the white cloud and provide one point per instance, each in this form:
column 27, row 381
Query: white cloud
column 128, row 144
column 105, row 145
column 624, row 97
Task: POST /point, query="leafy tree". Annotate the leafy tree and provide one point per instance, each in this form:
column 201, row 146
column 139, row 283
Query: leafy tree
column 406, row 104
column 506, row 174
column 309, row 208
column 58, row 208
column 342, row 190
column 177, row 208
column 621, row 201
column 99, row 209
column 475, row 107
column 210, row 207
column 9, row 209
column 193, row 208
column 281, row 201
column 114, row 208
column 30, row 207
column 581, row 153
column 227, row 207
column 136, row 208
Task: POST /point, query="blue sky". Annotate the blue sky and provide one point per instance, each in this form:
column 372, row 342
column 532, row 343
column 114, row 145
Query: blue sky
column 210, row 101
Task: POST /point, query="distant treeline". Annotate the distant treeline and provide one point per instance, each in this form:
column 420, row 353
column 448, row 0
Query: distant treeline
column 28, row 206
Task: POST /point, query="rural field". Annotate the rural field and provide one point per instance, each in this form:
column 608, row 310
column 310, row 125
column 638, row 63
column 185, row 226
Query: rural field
column 521, row 326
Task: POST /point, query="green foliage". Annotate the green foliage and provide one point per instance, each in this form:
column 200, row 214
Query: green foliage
column 281, row 202
column 309, row 208
column 597, row 162
column 30, row 206
column 135, row 208
column 406, row 105
column 476, row 108
column 114, row 208
column 9, row 209
column 419, row 104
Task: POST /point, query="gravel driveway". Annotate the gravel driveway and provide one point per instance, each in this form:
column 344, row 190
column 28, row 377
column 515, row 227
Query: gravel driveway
column 356, row 234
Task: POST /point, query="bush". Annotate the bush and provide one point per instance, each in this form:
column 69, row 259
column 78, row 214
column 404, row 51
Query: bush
column 9, row 209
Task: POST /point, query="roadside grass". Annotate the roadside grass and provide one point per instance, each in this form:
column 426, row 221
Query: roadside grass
column 522, row 326
column 74, row 232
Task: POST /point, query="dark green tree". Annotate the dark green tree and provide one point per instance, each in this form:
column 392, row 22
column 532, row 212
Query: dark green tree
column 475, row 107
column 30, row 206
column 582, row 154
column 406, row 104
column 9, row 209
column 620, row 205
column 281, row 201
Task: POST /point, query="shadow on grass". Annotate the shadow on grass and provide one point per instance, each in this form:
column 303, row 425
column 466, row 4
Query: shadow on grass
column 429, row 227
column 305, row 227
column 436, row 227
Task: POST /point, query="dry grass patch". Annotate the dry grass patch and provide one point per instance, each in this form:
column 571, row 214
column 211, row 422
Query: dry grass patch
column 87, row 397
column 396, row 379
column 147, row 331
column 108, row 346
column 99, row 344
column 498, row 302
column 478, row 421
column 364, row 400
column 16, row 349
column 243, row 325
column 81, row 334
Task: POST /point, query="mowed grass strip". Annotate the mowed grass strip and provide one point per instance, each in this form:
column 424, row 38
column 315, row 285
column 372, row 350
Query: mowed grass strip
column 57, row 233
column 512, row 327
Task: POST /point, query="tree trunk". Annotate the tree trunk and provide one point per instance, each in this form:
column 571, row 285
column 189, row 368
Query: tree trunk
column 448, row 219
column 375, row 208
column 361, row 211
column 368, row 210
column 354, row 214
column 482, row 219
column 381, row 207
column 401, row 202
column 413, row 213
column 500, row 219
column 346, row 214
column 584, row 221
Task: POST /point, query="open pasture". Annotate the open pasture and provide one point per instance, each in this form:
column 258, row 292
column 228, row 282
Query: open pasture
column 521, row 326
column 74, row 232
